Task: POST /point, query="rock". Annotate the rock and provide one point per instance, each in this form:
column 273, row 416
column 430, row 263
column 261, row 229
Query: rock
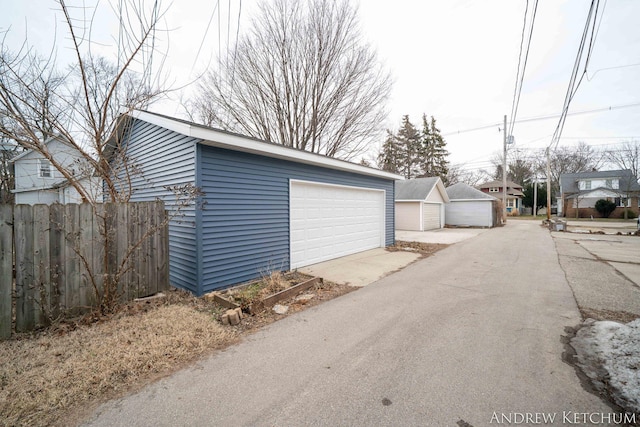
column 225, row 319
column 234, row 317
column 305, row 298
column 280, row 309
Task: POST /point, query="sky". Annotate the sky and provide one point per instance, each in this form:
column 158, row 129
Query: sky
column 456, row 60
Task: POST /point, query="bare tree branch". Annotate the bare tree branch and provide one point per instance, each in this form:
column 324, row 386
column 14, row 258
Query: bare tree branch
column 302, row 78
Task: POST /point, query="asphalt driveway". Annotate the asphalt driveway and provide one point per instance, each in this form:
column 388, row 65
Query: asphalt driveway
column 602, row 270
column 472, row 333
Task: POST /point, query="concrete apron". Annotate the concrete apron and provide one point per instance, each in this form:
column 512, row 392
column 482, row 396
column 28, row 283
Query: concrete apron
column 362, row 268
column 443, row 235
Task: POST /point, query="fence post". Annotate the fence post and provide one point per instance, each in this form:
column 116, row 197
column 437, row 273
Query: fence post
column 6, row 269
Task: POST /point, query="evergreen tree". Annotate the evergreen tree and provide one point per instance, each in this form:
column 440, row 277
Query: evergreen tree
column 433, row 154
column 389, row 157
column 414, row 153
column 408, row 140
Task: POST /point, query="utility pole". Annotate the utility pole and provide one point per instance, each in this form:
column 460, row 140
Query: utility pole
column 504, row 171
column 548, row 184
column 535, row 197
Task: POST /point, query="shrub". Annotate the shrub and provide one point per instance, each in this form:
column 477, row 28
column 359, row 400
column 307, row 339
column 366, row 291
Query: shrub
column 630, row 214
column 605, row 207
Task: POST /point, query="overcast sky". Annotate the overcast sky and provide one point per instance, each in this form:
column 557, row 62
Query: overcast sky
column 453, row 59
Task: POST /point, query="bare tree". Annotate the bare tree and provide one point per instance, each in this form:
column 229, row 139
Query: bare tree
column 627, row 157
column 302, row 77
column 472, row 177
column 81, row 105
column 8, row 150
column 581, row 158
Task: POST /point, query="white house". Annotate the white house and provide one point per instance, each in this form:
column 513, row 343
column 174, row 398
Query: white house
column 37, row 181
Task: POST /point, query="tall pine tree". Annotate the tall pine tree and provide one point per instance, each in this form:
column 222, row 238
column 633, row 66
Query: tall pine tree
column 433, row 152
column 389, row 157
column 414, row 153
column 408, row 140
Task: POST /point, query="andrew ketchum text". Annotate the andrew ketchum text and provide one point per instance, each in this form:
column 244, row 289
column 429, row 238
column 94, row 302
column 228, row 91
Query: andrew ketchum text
column 566, row 417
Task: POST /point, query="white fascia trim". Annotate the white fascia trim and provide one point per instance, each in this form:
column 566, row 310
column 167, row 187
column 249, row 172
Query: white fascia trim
column 219, row 139
column 409, row 201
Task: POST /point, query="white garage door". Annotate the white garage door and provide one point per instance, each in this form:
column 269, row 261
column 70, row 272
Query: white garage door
column 470, row 213
column 330, row 221
column 431, row 216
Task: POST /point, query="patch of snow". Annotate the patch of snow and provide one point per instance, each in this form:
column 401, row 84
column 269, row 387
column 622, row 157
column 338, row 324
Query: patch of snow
column 609, row 354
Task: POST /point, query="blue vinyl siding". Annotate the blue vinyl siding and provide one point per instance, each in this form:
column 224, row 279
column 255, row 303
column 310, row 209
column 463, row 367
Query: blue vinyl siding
column 168, row 158
column 245, row 220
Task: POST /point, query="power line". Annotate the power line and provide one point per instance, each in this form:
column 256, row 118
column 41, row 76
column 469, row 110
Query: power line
column 520, row 76
column 206, row 31
column 546, row 117
column 573, row 84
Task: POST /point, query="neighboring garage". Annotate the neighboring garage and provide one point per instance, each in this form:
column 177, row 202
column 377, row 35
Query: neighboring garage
column 420, row 204
column 469, row 207
column 265, row 206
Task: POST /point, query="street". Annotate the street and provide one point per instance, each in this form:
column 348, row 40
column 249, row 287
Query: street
column 470, row 336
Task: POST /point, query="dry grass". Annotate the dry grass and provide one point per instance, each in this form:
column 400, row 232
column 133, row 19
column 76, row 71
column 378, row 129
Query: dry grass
column 270, row 284
column 41, row 378
column 601, row 314
column 425, row 249
column 57, row 376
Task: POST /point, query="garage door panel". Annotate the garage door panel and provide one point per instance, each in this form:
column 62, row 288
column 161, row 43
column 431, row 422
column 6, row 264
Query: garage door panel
column 431, row 216
column 331, row 221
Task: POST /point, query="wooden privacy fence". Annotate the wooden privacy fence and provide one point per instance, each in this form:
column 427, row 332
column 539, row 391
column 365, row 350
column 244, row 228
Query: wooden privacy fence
column 54, row 259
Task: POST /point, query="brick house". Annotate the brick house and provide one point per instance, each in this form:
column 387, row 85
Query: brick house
column 514, row 194
column 579, row 193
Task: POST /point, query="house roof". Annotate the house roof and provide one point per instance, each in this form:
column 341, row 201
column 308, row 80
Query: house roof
column 569, row 181
column 498, row 183
column 233, row 141
column 462, row 191
column 513, row 189
column 420, row 188
column 29, row 151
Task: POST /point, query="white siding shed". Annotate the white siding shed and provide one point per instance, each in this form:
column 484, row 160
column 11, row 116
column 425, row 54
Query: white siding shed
column 469, row 207
column 420, row 204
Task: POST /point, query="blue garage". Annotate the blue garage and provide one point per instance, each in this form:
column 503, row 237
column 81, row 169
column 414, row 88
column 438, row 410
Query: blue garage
column 265, row 207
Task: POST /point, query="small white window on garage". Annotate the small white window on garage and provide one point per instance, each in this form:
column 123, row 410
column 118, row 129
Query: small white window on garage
column 44, row 168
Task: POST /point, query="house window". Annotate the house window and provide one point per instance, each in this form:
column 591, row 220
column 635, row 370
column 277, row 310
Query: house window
column 494, row 189
column 587, row 185
column 609, row 183
column 621, row 202
column 44, row 168
column 511, row 203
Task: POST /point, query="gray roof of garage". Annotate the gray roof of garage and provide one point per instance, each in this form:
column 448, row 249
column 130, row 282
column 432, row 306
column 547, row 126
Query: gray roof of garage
column 415, row 189
column 462, row 191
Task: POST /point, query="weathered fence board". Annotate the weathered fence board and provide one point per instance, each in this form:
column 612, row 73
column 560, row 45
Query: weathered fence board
column 23, row 237
column 6, row 270
column 63, row 253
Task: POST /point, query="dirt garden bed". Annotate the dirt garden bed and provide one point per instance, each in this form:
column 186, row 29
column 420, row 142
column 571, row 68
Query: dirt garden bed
column 424, row 249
